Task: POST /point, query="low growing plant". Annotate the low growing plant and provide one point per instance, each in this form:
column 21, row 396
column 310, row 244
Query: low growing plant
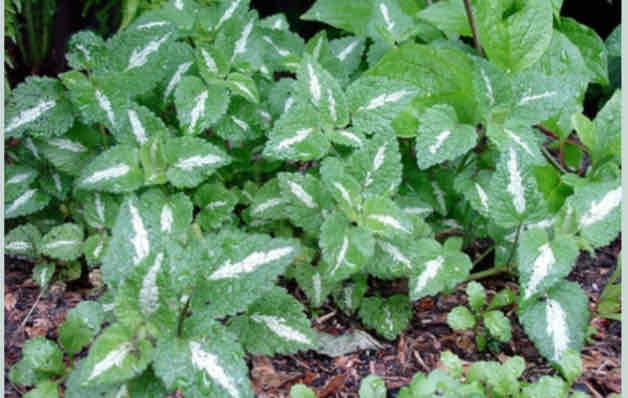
column 202, row 152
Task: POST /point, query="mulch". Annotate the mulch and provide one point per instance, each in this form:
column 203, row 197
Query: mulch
column 416, row 350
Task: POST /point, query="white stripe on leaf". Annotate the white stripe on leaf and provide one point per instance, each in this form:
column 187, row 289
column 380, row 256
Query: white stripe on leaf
column 113, row 359
column 557, row 327
column 166, row 219
column 389, row 23
column 199, row 108
column 100, row 208
column 317, row 287
column 61, row 243
column 139, row 56
column 519, row 141
column 315, row 87
column 383, row 99
column 176, row 78
column 599, row 210
column 489, row 87
column 30, row 115
column 30, row 145
column 440, row 139
column 20, row 201
column 136, row 126
column 483, row 196
column 279, row 327
column 343, row 192
column 210, row 364
column 216, row 204
column 389, row 221
column 431, row 270
column 117, row 171
column 282, row 52
column 245, row 90
column 228, row 13
column 342, row 254
column 332, row 105
column 209, row 61
column 240, row 45
column 193, row 162
column 105, row 105
column 300, row 193
column 529, row 98
column 18, row 178
column 267, row 205
column 240, row 123
column 350, row 136
column 149, row 293
column 67, row 145
column 149, row 25
column 344, row 53
column 395, row 253
column 540, row 268
column 301, row 135
column 19, row 246
column 251, row 263
column 57, row 180
column 515, row 186
column 440, row 197
column 140, row 235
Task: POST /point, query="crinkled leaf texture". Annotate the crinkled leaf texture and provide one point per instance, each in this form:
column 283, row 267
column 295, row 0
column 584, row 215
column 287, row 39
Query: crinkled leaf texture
column 389, row 316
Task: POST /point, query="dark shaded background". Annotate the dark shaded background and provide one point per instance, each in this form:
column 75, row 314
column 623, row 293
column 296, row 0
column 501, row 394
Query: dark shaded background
column 601, row 15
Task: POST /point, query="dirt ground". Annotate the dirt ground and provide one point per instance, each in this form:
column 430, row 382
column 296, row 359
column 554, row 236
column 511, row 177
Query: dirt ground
column 418, row 349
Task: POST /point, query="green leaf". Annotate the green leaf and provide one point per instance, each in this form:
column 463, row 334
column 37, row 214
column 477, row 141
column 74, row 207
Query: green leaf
column 498, row 325
column 297, row 136
column 57, row 185
column 501, row 299
column 199, row 106
column 23, row 240
column 81, row 325
column 513, row 194
column 597, row 209
column 274, row 324
column 351, row 16
column 212, row 64
column 314, row 283
column 476, row 295
column 72, row 152
column 344, row 188
column 441, row 137
column 571, row 365
column 84, row 48
column 544, row 262
column 448, row 16
column 394, row 258
column 42, row 274
column 31, row 201
column 348, row 50
column 116, row 356
column 349, row 296
column 39, row 105
column 247, row 268
column 301, row 391
column 460, row 318
column 584, row 128
column 17, row 180
column 591, row 47
column 140, row 125
column 518, row 134
column 500, row 380
column 268, row 203
column 191, row 160
column 319, row 88
column 23, row 374
column 243, row 86
column 388, row 317
column 63, row 242
column 47, row 389
column 75, row 389
column 372, row 386
column 377, row 165
column 43, row 355
column 514, row 34
column 452, row 363
column 558, row 322
column 546, row 386
column 346, row 248
column 115, row 170
column 346, row 137
column 100, row 210
column 382, row 216
column 607, row 129
column 216, row 204
column 440, row 268
column 210, row 366
column 307, row 198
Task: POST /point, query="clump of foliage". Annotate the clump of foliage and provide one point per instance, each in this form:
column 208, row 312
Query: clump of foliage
column 480, row 379
column 202, row 152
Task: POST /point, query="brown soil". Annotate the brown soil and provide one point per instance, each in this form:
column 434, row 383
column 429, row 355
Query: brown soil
column 418, row 349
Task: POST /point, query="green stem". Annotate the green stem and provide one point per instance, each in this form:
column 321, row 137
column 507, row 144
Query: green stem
column 182, row 315
column 514, row 246
column 489, row 272
column 552, row 160
column 31, row 36
column 483, row 256
column 476, row 38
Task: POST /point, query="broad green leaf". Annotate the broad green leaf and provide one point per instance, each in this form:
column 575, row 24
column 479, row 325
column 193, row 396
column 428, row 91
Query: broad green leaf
column 140, row 124
column 63, row 242
column 47, row 389
column 375, row 101
column 146, row 296
column 216, row 204
column 460, row 318
column 297, row 136
column 452, row 363
column 597, row 208
column 81, row 325
column 348, row 50
column 372, row 386
column 145, row 386
column 607, row 129
column 43, row 355
column 590, row 45
column 382, row 216
column 318, row 87
column 344, row 188
column 546, row 386
column 307, row 199
column 117, row 355
column 449, row 16
column 31, row 201
column 275, row 22
column 84, row 48
column 243, row 121
column 243, row 86
column 544, row 262
column 208, row 366
column 440, row 268
column 571, row 365
column 75, row 389
column 520, row 135
column 514, row 34
column 351, row 16
column 42, row 274
column 94, row 248
column 387, row 316
column 268, row 203
column 100, row 210
column 246, row 50
column 346, row 137
column 346, row 248
column 246, row 268
column 584, row 128
column 349, row 296
column 23, row 374
column 301, row 391
column 503, row 298
column 493, row 87
column 17, row 180
column 199, row 106
column 39, row 106
column 500, row 380
column 613, row 46
column 274, row 324
column 115, row 170
column 498, row 325
column 513, row 194
column 23, row 240
column 439, row 74
column 476, row 295
column 314, row 283
column 72, row 152
column 57, row 185
column 212, row 64
column 394, row 258
column 558, row 321
column 192, row 160
column 154, row 161
column 441, row 137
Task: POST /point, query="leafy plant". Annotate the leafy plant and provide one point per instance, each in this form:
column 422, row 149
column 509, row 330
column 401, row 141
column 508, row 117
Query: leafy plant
column 202, row 152
column 489, row 323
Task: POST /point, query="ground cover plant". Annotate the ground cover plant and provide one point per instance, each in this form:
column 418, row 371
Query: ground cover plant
column 202, row 155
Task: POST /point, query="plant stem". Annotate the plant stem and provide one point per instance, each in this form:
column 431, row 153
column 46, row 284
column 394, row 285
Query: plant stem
column 483, row 256
column 182, row 315
column 489, row 272
column 552, row 160
column 514, row 246
column 467, row 7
